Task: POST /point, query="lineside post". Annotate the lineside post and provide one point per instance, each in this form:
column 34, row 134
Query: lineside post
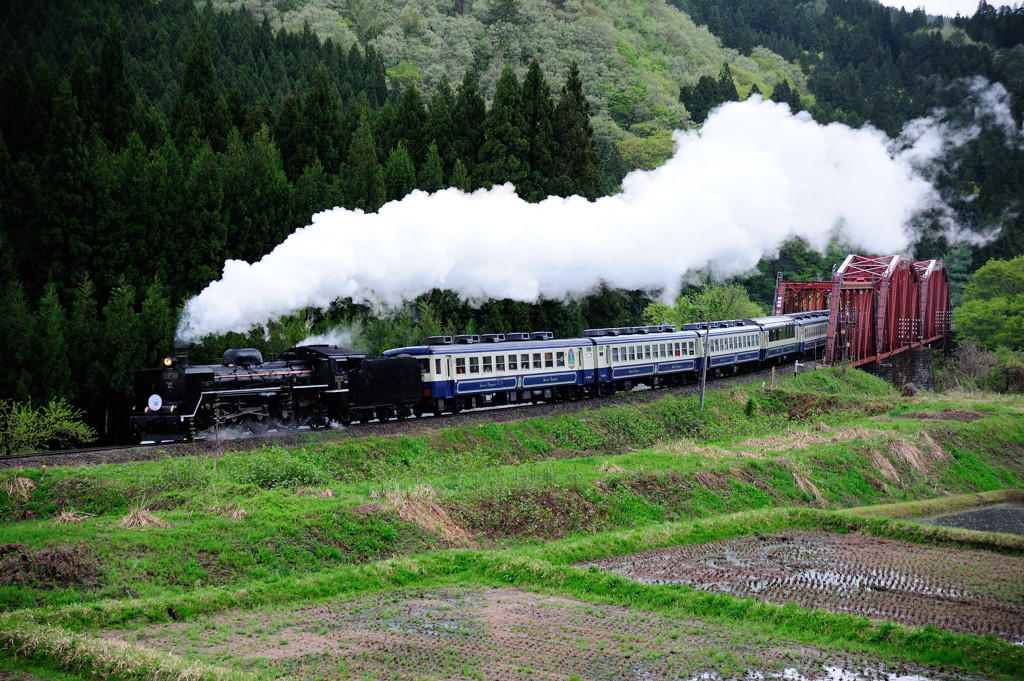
column 704, row 364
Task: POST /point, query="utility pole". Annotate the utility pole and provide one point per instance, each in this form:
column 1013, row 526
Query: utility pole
column 704, row 364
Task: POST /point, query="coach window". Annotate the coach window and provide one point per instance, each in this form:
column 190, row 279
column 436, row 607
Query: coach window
column 524, row 361
column 474, row 365
column 663, row 352
column 437, row 367
column 632, row 353
column 499, row 363
column 647, row 352
column 536, row 361
column 512, row 364
column 460, row 365
column 678, row 349
column 424, row 366
column 615, row 354
column 560, row 359
column 487, row 365
column 549, row 361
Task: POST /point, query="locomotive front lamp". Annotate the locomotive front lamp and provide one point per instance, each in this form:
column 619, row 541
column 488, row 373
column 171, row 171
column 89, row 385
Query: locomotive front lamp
column 168, row 361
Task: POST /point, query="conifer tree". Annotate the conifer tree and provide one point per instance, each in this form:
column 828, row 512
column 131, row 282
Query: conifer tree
column 314, row 191
column 506, row 148
column 431, row 176
column 576, row 167
column 399, row 174
column 726, row 86
column 321, row 121
column 364, row 178
column 158, row 322
column 460, row 177
column 538, row 111
column 440, row 125
column 202, row 235
column 200, row 110
column 66, row 222
column 410, row 124
column 84, row 327
column 385, row 129
column 15, row 342
column 122, row 339
column 291, row 140
column 469, row 114
column 784, row 94
column 52, row 377
column 115, row 96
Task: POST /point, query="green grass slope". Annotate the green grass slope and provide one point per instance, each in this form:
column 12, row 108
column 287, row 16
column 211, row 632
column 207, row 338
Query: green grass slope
column 515, row 503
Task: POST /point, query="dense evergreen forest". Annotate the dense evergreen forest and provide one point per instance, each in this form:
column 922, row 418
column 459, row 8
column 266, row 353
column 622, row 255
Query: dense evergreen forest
column 143, row 143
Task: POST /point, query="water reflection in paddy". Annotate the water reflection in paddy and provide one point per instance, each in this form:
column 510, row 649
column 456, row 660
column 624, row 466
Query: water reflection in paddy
column 1008, row 518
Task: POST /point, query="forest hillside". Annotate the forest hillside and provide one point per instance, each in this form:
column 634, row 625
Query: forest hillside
column 143, row 144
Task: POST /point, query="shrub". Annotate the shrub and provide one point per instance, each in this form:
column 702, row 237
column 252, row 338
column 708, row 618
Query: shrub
column 24, row 429
column 272, row 467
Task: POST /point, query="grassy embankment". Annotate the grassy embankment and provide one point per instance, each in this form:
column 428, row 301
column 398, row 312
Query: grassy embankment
column 514, row 503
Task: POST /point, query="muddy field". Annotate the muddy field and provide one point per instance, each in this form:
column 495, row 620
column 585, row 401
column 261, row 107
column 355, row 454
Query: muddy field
column 975, row 592
column 500, row 634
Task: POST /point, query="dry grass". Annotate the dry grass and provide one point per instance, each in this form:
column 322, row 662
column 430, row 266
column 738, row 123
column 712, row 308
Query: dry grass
column 802, row 440
column 18, row 486
column 608, row 467
column 140, row 518
column 803, row 482
column 419, row 505
column 103, row 658
column 687, row 448
column 315, row 492
column 70, row 517
column 233, row 512
column 882, row 463
column 937, row 453
column 906, row 451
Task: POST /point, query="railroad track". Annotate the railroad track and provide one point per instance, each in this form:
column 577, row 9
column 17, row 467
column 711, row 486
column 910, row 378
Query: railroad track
column 209, row 443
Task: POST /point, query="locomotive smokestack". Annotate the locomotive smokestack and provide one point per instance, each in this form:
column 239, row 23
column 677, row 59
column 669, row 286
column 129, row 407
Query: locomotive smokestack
column 181, row 354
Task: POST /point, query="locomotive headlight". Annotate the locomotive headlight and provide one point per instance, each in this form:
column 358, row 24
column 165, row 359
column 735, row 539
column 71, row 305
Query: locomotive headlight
column 168, row 361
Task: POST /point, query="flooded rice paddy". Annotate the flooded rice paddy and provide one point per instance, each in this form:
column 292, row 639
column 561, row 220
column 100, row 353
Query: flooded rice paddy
column 1008, row 518
column 976, row 592
column 502, row 634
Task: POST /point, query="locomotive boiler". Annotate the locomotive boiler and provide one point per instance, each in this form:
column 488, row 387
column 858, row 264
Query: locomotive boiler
column 306, row 386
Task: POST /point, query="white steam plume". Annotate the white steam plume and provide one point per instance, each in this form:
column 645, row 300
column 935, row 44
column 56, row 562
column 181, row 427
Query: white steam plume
column 341, row 337
column 752, row 177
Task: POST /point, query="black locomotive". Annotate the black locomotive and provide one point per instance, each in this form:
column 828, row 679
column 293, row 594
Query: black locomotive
column 306, row 386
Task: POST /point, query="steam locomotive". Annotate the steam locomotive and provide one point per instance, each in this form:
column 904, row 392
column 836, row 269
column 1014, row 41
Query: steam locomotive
column 306, row 386
column 320, row 384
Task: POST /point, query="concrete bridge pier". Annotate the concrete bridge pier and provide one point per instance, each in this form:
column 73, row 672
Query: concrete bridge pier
column 911, row 366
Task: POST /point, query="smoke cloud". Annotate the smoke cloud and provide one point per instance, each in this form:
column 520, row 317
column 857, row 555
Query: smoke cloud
column 754, row 176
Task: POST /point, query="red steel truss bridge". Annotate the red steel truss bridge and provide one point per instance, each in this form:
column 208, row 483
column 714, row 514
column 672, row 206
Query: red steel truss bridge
column 879, row 306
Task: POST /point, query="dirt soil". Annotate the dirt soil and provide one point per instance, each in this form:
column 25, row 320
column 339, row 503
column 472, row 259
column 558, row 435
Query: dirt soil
column 48, row 568
column 977, row 592
column 962, row 415
column 499, row 634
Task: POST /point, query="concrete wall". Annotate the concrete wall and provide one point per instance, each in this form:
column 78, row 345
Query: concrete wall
column 910, row 366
